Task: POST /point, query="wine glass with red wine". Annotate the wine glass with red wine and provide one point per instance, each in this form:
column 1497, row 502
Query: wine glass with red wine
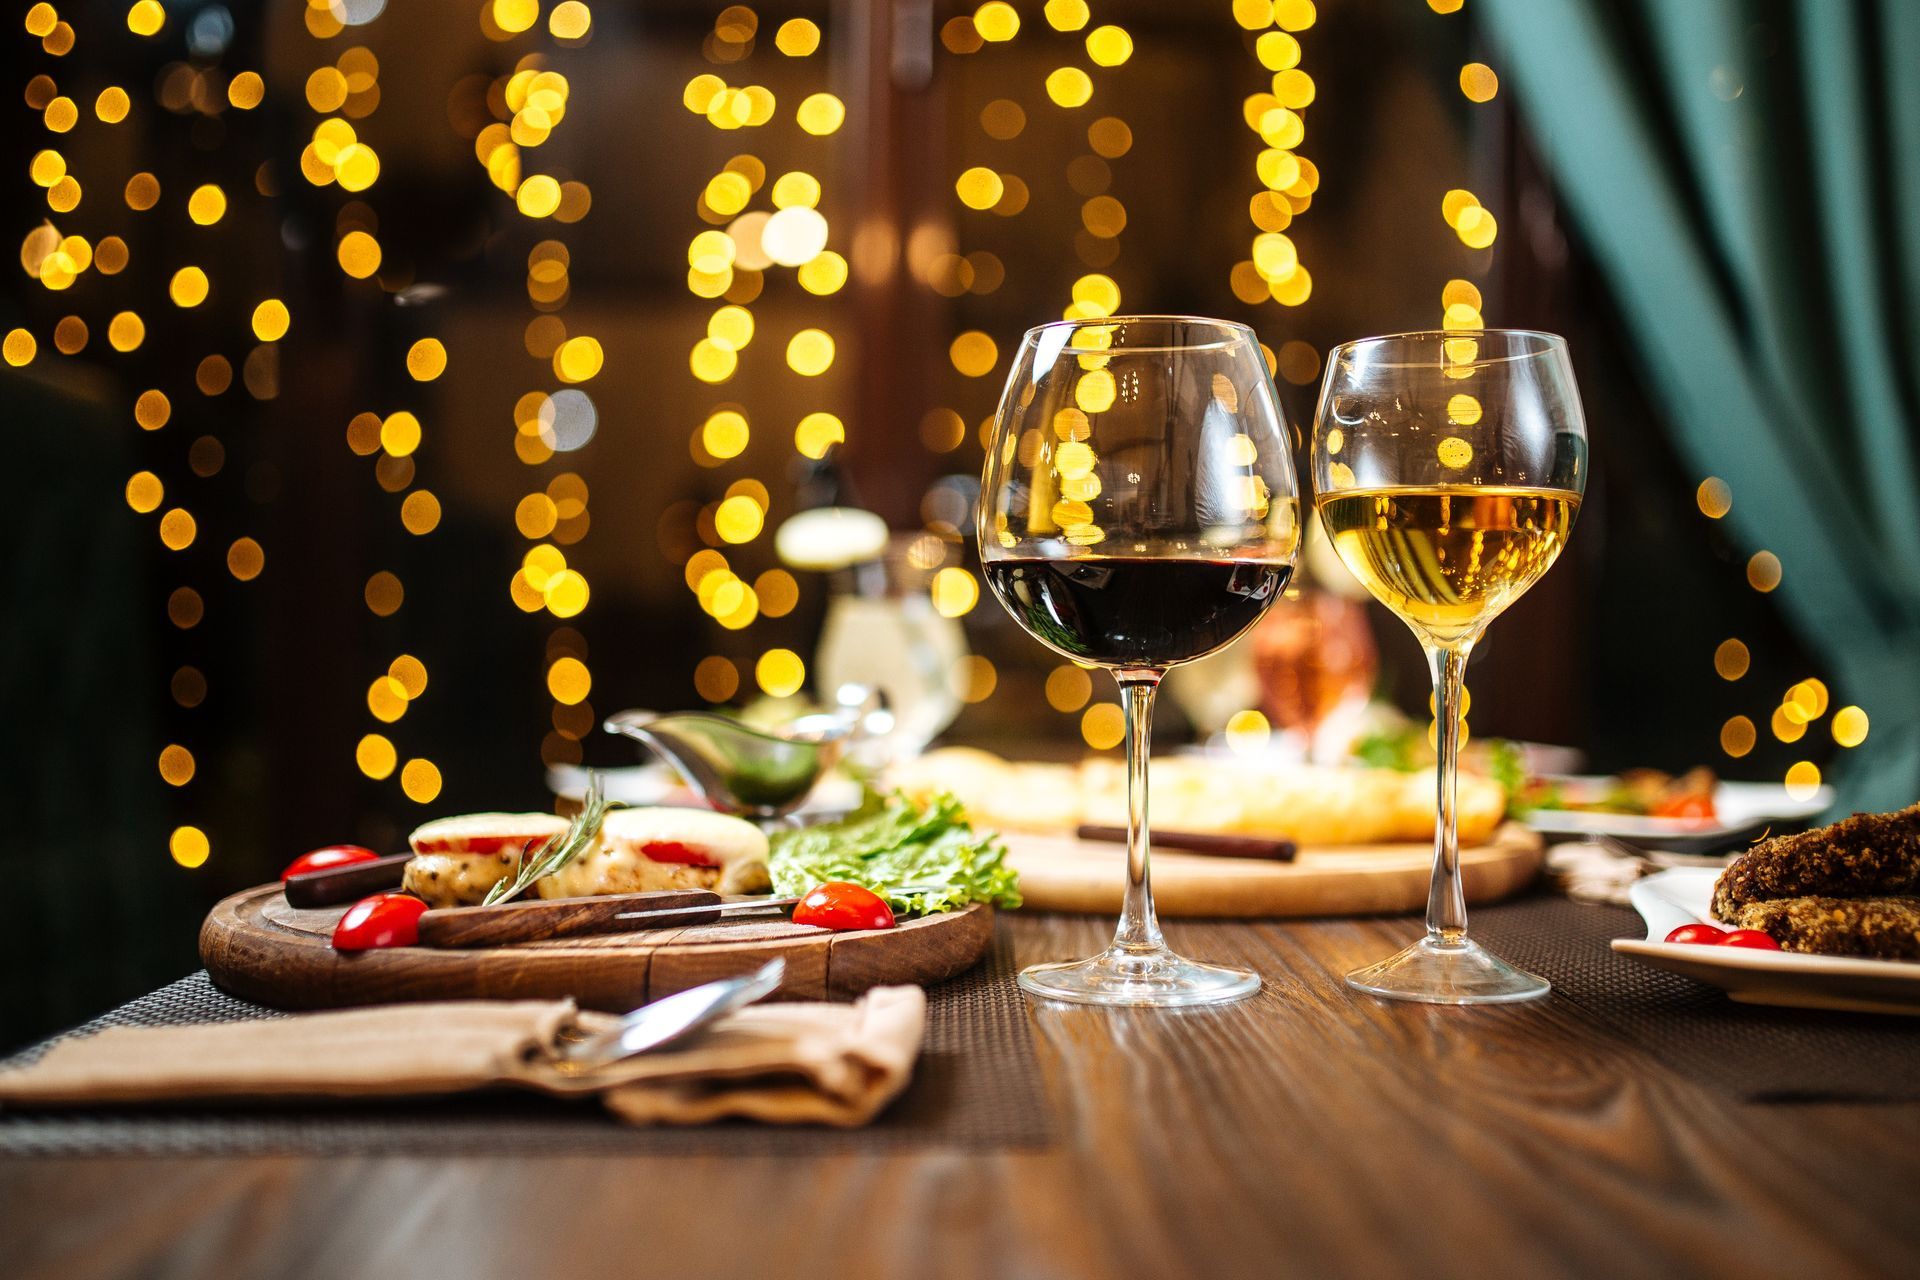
column 1138, row 510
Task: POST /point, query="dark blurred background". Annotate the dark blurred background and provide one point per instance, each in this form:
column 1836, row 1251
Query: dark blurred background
column 181, row 722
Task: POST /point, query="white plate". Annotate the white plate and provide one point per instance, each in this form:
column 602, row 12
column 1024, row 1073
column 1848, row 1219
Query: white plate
column 1684, row 895
column 1738, row 807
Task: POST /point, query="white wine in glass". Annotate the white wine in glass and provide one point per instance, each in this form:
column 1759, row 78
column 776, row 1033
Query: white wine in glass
column 1448, row 469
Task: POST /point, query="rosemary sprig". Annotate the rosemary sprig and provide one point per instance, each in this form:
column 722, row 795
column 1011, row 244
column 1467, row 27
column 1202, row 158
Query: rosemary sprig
column 556, row 851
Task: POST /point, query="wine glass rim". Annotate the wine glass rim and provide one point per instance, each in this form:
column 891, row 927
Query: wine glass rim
column 1233, row 331
column 1549, row 343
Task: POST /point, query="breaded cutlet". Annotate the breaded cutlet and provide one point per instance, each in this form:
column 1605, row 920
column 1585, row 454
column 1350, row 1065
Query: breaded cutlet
column 1882, row 928
column 1873, row 855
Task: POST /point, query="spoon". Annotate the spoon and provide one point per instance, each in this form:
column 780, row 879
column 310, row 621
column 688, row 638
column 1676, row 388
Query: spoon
column 671, row 1019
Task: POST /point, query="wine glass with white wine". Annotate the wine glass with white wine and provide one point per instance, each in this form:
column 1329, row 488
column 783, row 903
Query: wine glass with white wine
column 1448, row 469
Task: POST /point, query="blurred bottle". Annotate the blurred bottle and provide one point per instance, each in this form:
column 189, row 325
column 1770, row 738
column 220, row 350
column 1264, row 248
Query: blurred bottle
column 1315, row 660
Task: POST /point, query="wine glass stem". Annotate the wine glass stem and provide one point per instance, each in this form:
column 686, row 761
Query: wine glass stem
column 1139, row 929
column 1446, row 900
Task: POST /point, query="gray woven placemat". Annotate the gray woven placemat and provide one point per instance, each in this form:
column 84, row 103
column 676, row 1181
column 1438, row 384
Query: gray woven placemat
column 977, row 1085
column 1761, row 1053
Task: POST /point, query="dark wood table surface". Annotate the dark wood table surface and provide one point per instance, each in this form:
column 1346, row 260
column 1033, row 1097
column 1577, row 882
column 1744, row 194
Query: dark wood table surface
column 1304, row 1132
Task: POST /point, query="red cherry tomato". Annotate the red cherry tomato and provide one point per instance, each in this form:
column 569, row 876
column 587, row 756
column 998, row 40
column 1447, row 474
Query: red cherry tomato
column 383, row 920
column 1705, row 934
column 842, row 906
column 1750, row 938
column 1694, row 808
column 334, row 855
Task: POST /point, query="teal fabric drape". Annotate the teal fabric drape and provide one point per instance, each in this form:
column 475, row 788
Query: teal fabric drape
column 1747, row 175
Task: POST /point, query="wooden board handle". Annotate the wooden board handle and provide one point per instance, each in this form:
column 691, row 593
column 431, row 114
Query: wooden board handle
column 1220, row 846
column 334, row 885
column 558, row 918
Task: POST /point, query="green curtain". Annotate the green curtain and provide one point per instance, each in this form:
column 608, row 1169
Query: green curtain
column 1747, row 175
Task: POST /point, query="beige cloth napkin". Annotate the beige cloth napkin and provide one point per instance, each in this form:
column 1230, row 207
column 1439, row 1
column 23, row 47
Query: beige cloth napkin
column 835, row 1064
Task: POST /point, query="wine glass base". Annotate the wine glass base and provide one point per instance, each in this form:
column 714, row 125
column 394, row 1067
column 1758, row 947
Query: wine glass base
column 1433, row 971
column 1154, row 979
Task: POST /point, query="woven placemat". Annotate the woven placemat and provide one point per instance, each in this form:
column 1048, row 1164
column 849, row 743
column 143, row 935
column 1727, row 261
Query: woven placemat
column 977, row 1085
column 1759, row 1052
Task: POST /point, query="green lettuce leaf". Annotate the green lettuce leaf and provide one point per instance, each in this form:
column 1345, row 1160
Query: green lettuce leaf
column 890, row 843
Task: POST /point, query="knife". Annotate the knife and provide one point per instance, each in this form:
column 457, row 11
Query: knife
column 333, row 885
column 1269, row 848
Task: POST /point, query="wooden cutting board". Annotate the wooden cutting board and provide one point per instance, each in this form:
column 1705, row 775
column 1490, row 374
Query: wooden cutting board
column 1060, row 873
column 257, row 947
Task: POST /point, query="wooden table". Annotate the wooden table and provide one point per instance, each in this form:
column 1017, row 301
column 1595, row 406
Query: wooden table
column 1304, row 1132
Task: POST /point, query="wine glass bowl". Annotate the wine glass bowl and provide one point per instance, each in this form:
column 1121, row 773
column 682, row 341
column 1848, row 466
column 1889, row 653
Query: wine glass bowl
column 1138, row 510
column 1448, row 470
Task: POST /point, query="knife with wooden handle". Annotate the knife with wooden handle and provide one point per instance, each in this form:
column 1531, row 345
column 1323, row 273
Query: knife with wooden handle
column 537, row 921
column 333, row 885
column 1267, row 848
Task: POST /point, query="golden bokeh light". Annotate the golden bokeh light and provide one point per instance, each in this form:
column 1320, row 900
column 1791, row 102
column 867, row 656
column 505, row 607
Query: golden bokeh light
column 420, row 512
column 1067, row 15
column 1109, row 46
column 1737, row 736
column 359, row 254
column 207, row 205
column 400, row 433
column 1714, row 497
column 780, row 673
column 126, row 331
column 146, row 17
column 112, row 105
column 152, row 409
column 1248, row 732
column 1478, row 82
column 716, row 679
column 1069, row 87
column 189, row 287
column 817, row 433
column 979, row 188
column 246, row 559
column 973, row 353
column 972, row 678
column 954, row 591
column 739, row 519
column 271, row 320
column 797, row 38
column 246, row 90
column 375, row 756
column 189, row 846
column 384, row 594
column 426, row 360
column 996, row 21
column 569, row 681
column 570, row 20
column 1068, row 688
column 810, row 352
column 1763, row 571
column 145, row 492
column 1849, row 726
column 1731, row 659
column 1803, row 779
column 420, row 780
column 1103, row 727
column 821, row 114
column 178, row 529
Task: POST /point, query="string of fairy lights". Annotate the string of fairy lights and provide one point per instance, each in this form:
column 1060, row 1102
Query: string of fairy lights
column 729, row 263
column 1806, row 701
column 762, row 223
column 198, row 91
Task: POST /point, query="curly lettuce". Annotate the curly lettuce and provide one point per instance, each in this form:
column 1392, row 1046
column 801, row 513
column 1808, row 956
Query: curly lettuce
column 920, row 858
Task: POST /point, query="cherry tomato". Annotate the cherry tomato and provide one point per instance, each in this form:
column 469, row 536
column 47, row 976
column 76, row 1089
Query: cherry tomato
column 842, row 906
column 1750, row 938
column 334, row 855
column 1700, row 933
column 1695, row 808
column 382, row 920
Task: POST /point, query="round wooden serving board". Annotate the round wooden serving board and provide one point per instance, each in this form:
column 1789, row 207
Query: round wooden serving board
column 258, row 947
column 1060, row 873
